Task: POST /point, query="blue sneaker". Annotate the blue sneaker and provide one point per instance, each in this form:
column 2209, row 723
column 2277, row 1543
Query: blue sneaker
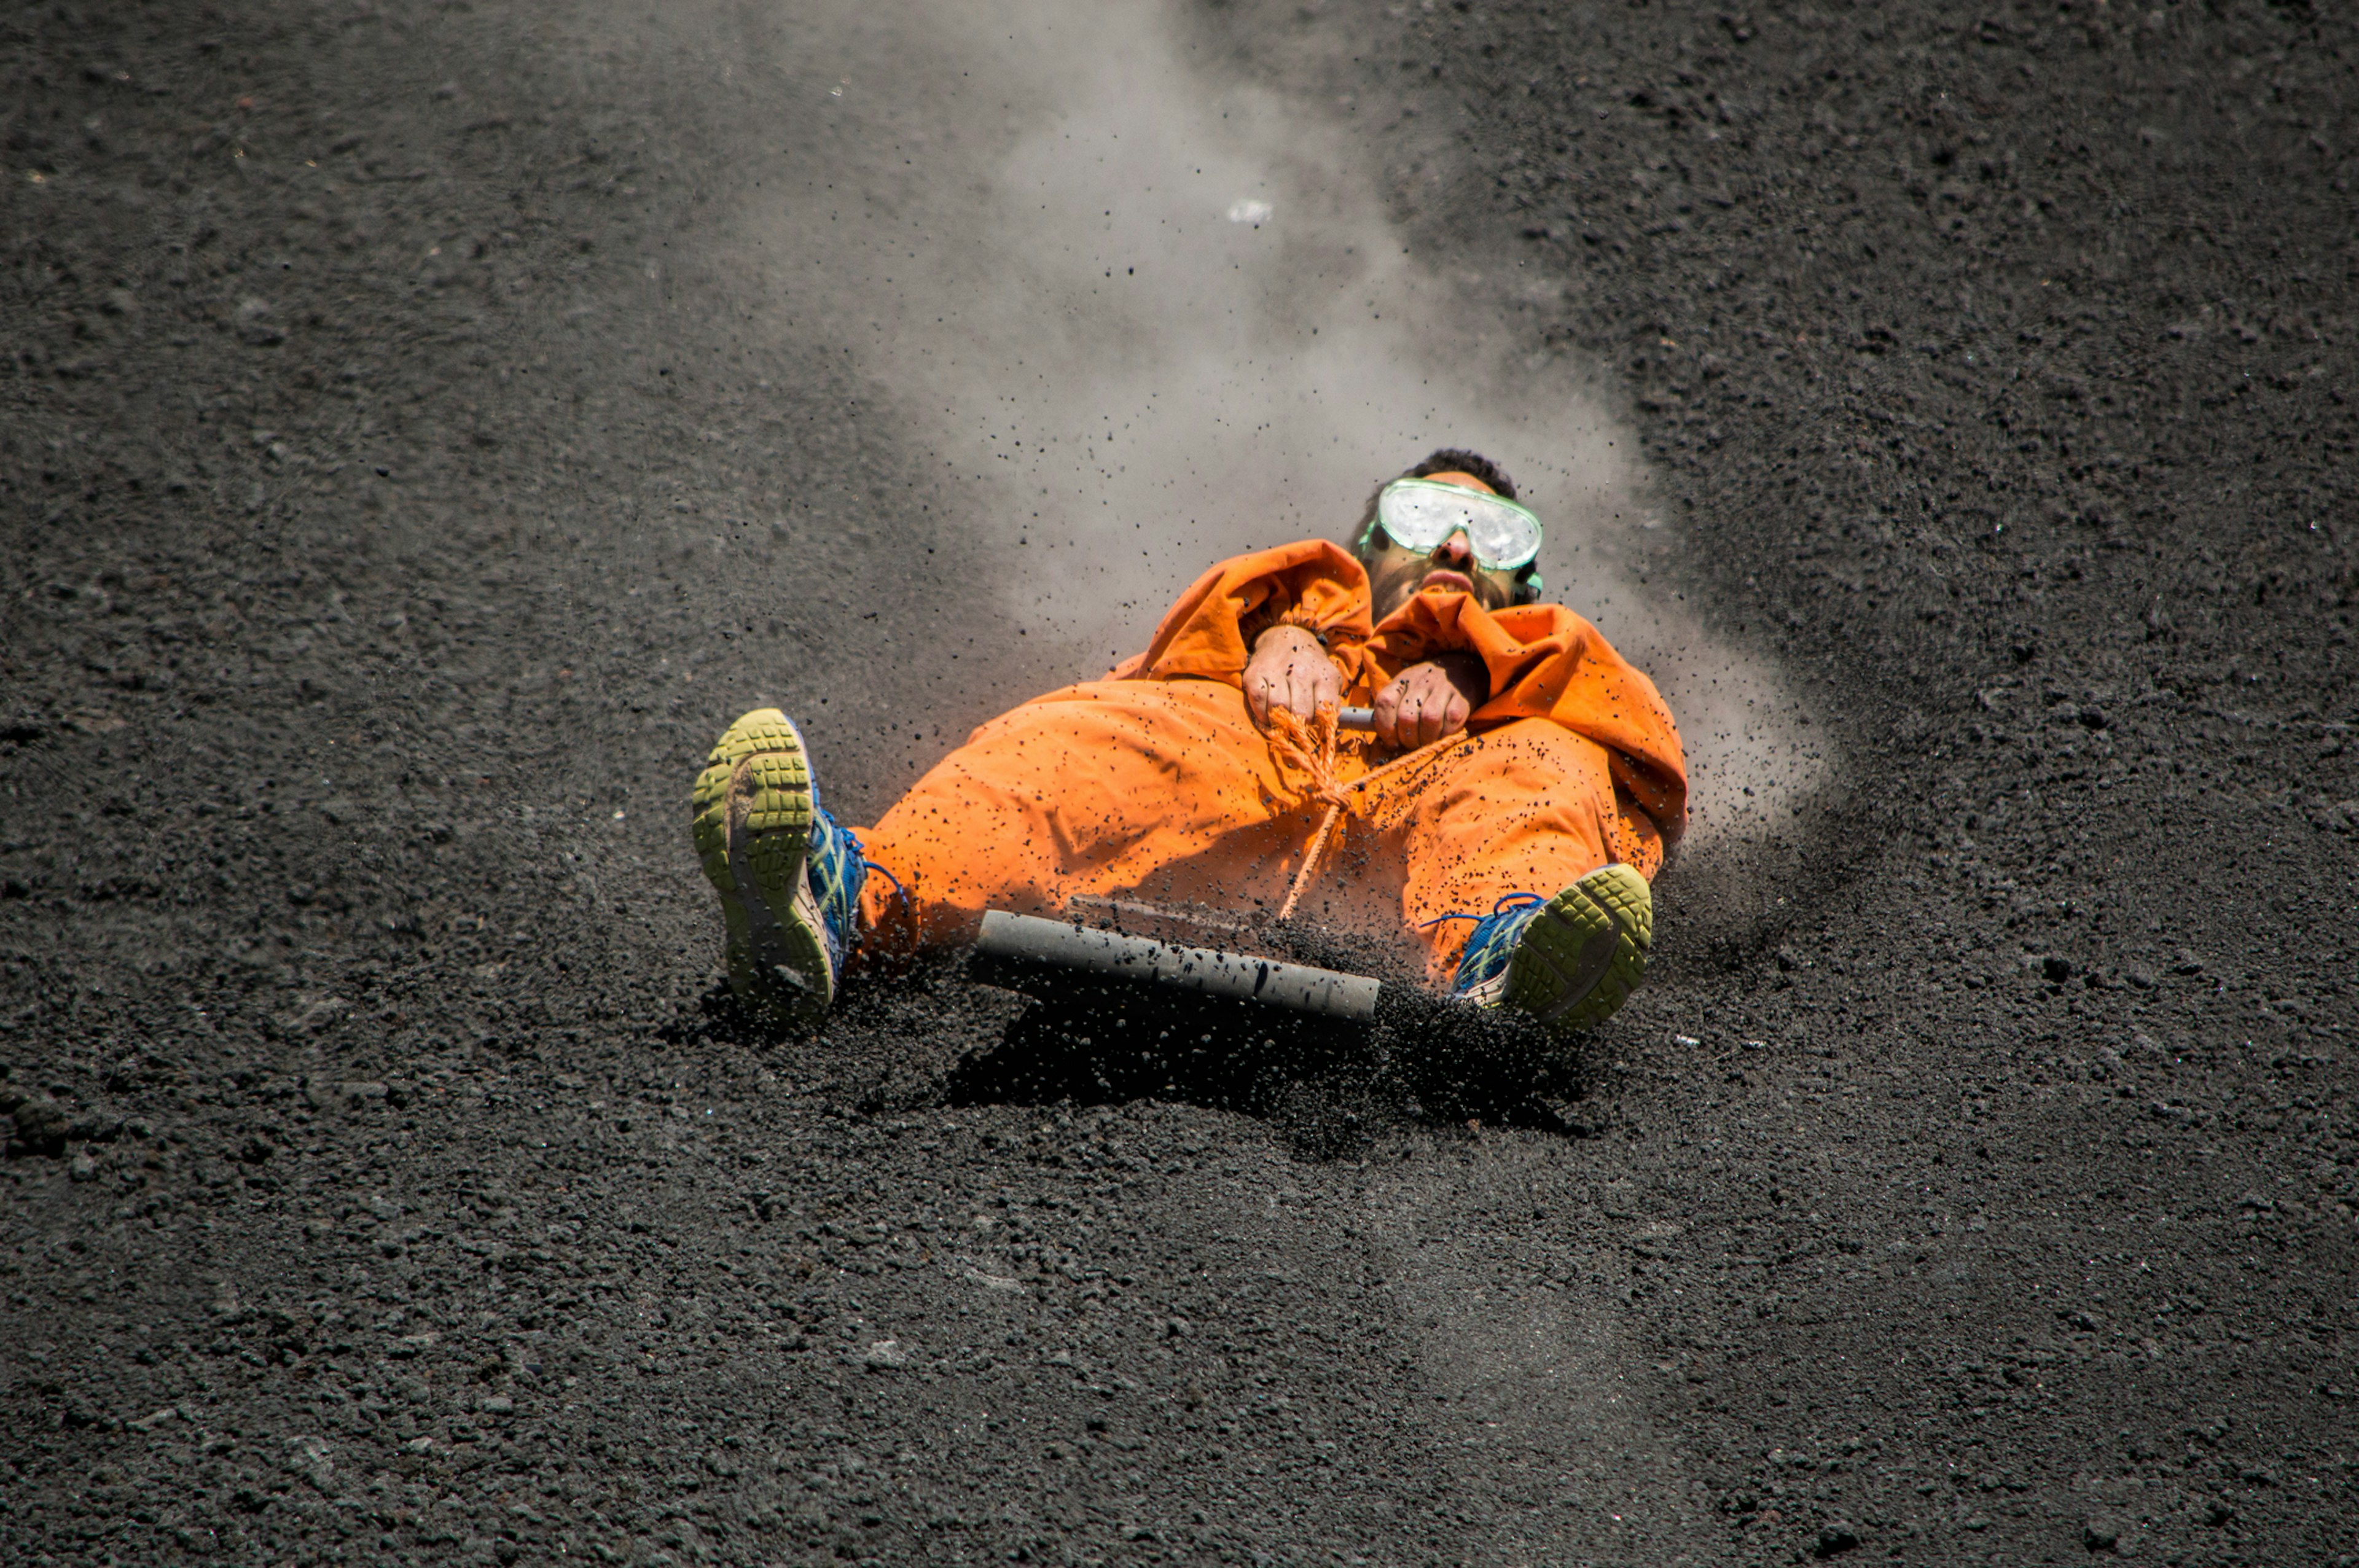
column 789, row 877
column 1571, row 960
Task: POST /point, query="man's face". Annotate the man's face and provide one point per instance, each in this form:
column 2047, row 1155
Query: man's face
column 1395, row 573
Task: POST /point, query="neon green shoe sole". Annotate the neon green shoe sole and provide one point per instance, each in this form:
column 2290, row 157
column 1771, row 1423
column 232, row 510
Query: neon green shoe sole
column 752, row 815
column 1580, row 955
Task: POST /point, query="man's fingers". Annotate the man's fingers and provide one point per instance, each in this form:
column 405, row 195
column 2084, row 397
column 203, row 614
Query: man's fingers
column 1299, row 685
column 1451, row 717
column 1386, row 712
column 1441, row 710
column 1411, row 717
column 1418, row 707
column 1429, row 715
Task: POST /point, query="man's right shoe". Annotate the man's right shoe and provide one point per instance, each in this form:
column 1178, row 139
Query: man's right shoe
column 1570, row 961
column 789, row 877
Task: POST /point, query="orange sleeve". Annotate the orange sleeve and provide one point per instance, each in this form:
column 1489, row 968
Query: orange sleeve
column 1209, row 632
column 1545, row 661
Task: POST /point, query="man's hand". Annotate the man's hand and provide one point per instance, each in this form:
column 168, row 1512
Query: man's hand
column 1430, row 701
column 1289, row 669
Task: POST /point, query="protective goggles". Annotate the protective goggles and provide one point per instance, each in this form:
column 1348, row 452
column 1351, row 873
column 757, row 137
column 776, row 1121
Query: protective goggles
column 1422, row 514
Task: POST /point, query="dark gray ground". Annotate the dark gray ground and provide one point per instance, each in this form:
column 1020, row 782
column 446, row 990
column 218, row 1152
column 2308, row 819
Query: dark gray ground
column 384, row 1186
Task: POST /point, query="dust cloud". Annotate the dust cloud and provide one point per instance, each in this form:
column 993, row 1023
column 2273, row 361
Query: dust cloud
column 1144, row 315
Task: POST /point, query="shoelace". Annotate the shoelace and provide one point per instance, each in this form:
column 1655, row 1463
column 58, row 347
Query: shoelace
column 857, row 851
column 1309, row 747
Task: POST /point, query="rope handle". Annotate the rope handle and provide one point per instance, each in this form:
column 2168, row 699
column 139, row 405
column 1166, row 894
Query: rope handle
column 1309, row 749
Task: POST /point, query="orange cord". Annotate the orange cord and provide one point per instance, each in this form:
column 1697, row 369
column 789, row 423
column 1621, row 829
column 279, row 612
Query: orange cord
column 1309, row 749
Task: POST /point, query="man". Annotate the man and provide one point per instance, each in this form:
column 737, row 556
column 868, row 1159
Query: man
column 1516, row 845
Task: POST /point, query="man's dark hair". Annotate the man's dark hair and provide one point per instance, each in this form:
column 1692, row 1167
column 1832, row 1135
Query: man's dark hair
column 1449, row 460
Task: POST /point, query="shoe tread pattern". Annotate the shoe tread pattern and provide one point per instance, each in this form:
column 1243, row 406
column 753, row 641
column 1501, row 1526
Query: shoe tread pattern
column 1603, row 924
column 759, row 772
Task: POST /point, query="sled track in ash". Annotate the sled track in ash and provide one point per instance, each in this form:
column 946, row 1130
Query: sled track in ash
column 421, row 436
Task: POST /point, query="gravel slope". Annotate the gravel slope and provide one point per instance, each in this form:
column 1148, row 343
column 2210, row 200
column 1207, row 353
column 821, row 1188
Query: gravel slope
column 1975, row 1180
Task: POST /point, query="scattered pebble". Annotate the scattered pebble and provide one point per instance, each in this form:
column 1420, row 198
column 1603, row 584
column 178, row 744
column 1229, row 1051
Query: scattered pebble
column 310, row 1458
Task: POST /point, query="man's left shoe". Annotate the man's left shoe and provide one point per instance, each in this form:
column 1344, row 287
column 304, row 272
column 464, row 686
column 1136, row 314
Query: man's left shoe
column 789, row 877
column 1570, row 961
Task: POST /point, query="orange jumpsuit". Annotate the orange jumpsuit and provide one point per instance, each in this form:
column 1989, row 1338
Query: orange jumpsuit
column 1154, row 783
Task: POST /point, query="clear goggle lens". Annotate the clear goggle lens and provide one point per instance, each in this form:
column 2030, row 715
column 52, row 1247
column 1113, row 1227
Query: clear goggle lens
column 1419, row 515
